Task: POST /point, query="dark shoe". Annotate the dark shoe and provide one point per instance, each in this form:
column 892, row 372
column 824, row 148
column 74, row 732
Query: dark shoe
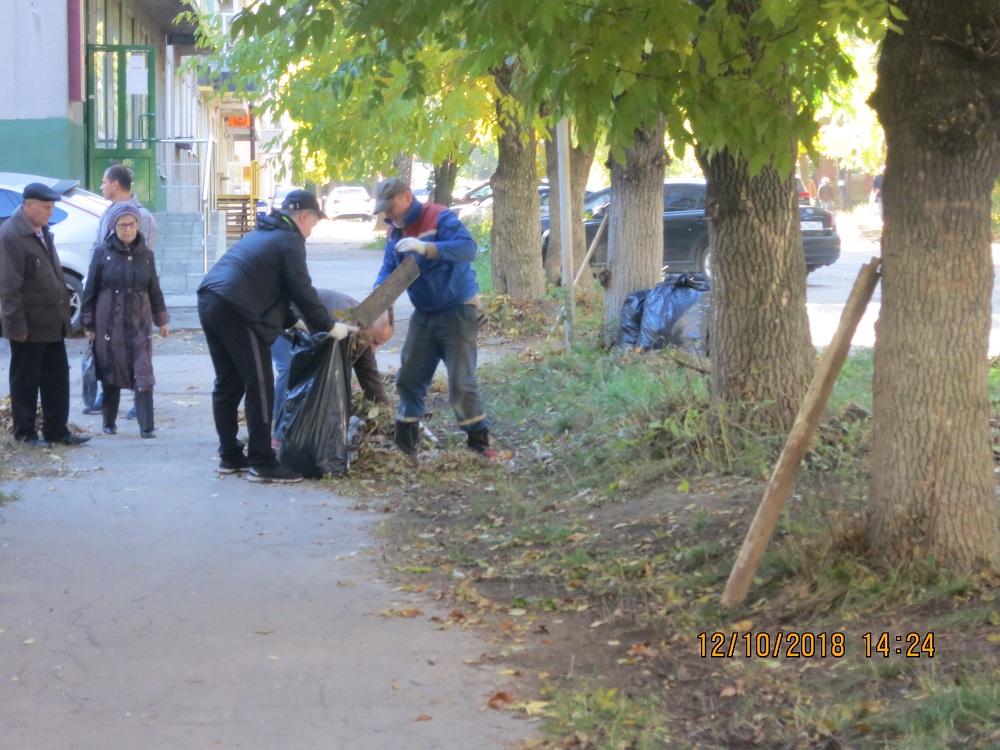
column 110, row 429
column 479, row 440
column 146, row 434
column 72, row 440
column 407, row 437
column 131, row 413
column 274, row 474
column 233, row 465
column 36, row 442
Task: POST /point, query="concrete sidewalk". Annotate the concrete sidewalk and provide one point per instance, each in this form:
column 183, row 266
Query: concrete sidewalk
column 147, row 602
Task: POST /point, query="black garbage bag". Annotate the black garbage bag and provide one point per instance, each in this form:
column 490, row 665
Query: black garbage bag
column 631, row 318
column 88, row 367
column 664, row 305
column 690, row 331
column 314, row 418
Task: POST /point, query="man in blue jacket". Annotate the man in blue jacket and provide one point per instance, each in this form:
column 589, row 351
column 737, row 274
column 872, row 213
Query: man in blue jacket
column 244, row 302
column 445, row 321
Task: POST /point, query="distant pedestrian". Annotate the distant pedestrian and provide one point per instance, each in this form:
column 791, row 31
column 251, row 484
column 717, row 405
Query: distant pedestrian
column 825, row 194
column 877, row 192
column 34, row 303
column 116, row 186
column 121, row 303
column 244, row 303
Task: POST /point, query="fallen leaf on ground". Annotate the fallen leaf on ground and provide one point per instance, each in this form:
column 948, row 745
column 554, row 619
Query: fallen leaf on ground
column 499, row 699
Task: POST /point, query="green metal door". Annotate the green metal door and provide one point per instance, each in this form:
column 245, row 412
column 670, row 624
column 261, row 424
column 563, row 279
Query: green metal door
column 121, row 122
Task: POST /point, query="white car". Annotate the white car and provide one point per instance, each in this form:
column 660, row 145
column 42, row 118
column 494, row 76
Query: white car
column 349, row 202
column 74, row 224
column 280, row 193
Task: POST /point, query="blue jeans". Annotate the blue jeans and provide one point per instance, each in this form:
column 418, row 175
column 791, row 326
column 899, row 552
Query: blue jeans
column 447, row 336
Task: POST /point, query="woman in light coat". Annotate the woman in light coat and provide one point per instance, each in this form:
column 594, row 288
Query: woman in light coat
column 121, row 303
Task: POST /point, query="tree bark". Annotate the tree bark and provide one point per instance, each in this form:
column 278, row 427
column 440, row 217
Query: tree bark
column 580, row 161
column 938, row 99
column 404, row 165
column 444, row 182
column 635, row 226
column 514, row 236
column 762, row 354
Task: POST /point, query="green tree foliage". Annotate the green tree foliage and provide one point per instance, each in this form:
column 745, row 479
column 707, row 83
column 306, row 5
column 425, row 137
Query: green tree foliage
column 354, row 104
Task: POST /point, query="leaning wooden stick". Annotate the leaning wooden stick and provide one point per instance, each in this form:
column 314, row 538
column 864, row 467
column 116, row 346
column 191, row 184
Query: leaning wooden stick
column 806, row 421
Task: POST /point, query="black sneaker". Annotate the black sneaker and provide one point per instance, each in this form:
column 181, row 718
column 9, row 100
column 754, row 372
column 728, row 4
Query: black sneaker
column 273, row 473
column 233, row 465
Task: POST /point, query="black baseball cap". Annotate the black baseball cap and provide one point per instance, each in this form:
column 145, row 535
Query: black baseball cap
column 38, row 192
column 302, row 200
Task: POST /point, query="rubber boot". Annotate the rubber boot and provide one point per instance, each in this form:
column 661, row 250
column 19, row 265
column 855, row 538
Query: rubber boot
column 144, row 413
column 109, row 409
column 479, row 441
column 407, row 437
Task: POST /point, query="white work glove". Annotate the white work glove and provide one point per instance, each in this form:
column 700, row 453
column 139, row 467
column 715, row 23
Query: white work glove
column 341, row 331
column 412, row 244
column 300, row 325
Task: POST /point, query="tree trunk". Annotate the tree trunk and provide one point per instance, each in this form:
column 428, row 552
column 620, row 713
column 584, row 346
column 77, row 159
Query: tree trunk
column 404, row 165
column 938, row 98
column 514, row 236
column 762, row 354
column 444, row 182
column 580, row 161
column 635, row 226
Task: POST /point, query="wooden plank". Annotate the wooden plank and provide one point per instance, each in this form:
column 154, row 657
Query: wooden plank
column 786, row 470
column 366, row 312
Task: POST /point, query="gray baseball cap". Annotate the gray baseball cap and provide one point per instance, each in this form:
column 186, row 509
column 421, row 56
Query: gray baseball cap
column 387, row 190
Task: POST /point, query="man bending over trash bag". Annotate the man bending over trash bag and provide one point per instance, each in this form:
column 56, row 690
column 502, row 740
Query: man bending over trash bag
column 244, row 303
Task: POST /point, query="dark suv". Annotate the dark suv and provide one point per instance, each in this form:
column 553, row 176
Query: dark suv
column 685, row 229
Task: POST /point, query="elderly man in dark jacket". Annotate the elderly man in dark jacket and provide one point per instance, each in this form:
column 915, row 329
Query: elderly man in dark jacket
column 36, row 319
column 244, row 302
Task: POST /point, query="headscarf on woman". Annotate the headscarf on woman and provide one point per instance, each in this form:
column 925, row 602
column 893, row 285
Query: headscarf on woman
column 117, row 211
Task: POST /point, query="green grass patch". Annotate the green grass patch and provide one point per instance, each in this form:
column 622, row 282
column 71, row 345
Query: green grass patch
column 605, row 719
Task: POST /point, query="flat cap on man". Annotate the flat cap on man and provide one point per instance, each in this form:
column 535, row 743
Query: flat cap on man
column 386, row 191
column 39, row 192
column 302, row 200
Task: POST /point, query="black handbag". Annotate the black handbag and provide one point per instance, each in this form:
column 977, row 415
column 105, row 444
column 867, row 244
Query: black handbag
column 89, row 368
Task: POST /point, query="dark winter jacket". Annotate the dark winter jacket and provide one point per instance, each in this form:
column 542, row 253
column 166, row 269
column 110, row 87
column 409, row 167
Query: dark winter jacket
column 121, row 303
column 263, row 273
column 33, row 294
column 446, row 280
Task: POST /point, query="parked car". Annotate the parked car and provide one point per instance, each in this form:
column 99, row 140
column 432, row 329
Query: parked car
column 349, row 202
column 74, row 224
column 280, row 193
column 805, row 198
column 480, row 199
column 685, row 229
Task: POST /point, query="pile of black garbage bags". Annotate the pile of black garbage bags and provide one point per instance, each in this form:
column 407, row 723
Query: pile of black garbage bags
column 673, row 313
